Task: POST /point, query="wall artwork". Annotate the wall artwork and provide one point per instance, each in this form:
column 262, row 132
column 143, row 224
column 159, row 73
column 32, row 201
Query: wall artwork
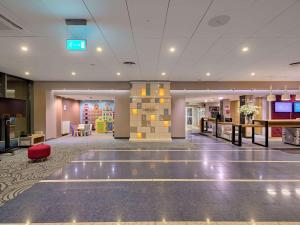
column 100, row 112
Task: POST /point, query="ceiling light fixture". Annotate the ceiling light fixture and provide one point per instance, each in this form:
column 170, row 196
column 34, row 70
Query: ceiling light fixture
column 118, row 74
column 24, row 48
column 27, row 73
column 208, row 74
column 245, row 49
column 172, row 49
column 99, row 49
column 73, row 74
column 220, row 98
column 163, row 74
column 252, row 74
column 270, row 96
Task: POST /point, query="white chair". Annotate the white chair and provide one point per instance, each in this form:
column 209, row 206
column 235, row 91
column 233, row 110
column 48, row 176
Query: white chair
column 90, row 129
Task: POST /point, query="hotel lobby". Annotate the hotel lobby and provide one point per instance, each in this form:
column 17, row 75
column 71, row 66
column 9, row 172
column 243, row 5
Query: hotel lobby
column 139, row 112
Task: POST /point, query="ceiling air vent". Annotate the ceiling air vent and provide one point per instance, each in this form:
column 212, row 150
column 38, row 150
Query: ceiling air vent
column 76, row 22
column 7, row 24
column 294, row 63
column 129, row 63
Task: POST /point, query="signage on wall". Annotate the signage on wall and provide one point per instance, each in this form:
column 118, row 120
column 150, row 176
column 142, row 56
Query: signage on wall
column 76, row 45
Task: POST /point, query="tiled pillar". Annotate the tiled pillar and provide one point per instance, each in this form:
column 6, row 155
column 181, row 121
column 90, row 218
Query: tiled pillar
column 150, row 111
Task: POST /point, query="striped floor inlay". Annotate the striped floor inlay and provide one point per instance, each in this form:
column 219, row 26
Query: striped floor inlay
column 182, row 150
column 182, row 161
column 170, row 180
column 162, row 223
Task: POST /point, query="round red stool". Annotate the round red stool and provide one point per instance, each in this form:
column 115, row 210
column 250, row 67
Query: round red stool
column 37, row 152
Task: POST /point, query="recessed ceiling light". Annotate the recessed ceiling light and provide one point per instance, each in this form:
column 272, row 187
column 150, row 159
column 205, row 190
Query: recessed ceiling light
column 99, row 49
column 27, row 73
column 118, row 74
column 245, row 49
column 24, row 48
column 73, row 74
column 172, row 49
column 220, row 98
column 208, row 74
column 163, row 74
column 252, row 74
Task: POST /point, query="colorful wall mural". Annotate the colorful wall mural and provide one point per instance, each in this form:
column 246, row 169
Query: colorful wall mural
column 98, row 113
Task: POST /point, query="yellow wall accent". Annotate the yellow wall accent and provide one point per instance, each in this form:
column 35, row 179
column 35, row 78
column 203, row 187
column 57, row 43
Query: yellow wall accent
column 152, row 117
column 134, row 111
column 139, row 135
column 166, row 123
column 143, row 91
column 161, row 92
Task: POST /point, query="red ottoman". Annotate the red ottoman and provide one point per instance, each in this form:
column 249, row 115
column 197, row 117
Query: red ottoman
column 37, row 152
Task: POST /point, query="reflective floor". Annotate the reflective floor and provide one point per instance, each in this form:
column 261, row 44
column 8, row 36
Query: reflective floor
column 215, row 181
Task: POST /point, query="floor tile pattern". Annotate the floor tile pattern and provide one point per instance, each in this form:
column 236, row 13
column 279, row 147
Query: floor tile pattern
column 267, row 186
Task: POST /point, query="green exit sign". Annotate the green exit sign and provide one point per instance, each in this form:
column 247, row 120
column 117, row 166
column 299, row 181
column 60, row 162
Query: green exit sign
column 76, row 44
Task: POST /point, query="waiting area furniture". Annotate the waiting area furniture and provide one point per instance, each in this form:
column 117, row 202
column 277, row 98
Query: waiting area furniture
column 38, row 152
column 81, row 130
column 37, row 138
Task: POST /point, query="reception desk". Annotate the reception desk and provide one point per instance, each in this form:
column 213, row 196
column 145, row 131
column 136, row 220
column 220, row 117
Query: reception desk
column 295, row 124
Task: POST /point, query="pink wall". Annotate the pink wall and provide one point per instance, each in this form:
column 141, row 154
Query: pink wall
column 277, row 131
column 72, row 112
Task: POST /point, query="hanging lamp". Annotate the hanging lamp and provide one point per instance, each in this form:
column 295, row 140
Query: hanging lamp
column 286, row 96
column 297, row 97
column 270, row 96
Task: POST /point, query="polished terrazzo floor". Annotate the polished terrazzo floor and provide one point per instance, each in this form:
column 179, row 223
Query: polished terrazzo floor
column 209, row 180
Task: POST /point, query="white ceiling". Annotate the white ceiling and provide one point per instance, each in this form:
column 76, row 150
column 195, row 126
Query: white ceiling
column 143, row 31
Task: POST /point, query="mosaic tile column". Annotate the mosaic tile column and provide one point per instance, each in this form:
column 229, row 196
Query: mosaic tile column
column 150, row 111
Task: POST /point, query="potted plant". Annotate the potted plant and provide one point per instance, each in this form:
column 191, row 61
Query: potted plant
column 249, row 111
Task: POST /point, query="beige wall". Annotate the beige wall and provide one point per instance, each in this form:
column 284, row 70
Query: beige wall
column 50, row 115
column 122, row 117
column 178, row 116
column 230, row 85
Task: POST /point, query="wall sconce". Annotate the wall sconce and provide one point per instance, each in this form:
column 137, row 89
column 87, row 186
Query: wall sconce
column 161, row 100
